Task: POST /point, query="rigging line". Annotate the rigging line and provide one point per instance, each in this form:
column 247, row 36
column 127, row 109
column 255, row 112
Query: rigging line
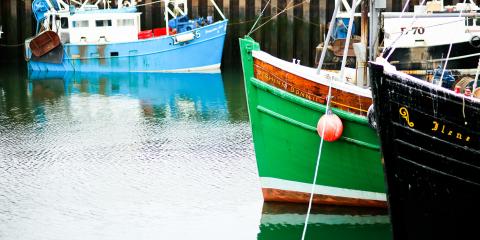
column 276, row 8
column 476, row 79
column 327, row 108
column 246, row 21
column 320, row 63
column 449, row 51
column 329, row 35
column 307, row 22
column 434, row 25
column 12, row 45
column 276, row 15
column 259, row 16
column 145, row 4
column 454, row 58
column 404, row 8
column 347, row 41
column 401, row 15
column 392, row 46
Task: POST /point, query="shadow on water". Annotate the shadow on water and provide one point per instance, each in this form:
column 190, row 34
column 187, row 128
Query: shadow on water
column 286, row 221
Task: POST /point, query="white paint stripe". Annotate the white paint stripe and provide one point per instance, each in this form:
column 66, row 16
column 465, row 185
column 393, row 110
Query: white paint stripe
column 329, row 219
column 311, row 74
column 287, row 185
column 215, row 68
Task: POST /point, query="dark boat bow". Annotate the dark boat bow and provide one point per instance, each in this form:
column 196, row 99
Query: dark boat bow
column 430, row 139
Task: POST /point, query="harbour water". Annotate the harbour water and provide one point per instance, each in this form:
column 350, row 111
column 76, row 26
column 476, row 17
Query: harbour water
column 142, row 156
column 151, row 156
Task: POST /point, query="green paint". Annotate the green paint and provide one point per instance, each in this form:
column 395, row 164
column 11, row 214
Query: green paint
column 286, row 143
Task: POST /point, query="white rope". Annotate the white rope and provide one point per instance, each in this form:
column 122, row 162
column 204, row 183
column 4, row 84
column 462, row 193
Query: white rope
column 259, row 16
column 327, row 108
column 449, row 51
column 145, row 4
column 276, row 15
column 329, row 35
column 414, row 19
column 347, row 41
column 476, row 78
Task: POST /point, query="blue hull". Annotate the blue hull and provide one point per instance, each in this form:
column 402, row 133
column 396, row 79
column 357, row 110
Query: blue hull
column 159, row 54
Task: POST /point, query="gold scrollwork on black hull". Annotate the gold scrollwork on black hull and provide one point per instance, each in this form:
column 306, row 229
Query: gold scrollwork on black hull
column 404, row 113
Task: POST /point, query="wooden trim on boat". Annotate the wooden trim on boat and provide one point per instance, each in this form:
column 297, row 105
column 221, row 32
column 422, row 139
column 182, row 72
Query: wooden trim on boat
column 310, row 90
column 277, row 195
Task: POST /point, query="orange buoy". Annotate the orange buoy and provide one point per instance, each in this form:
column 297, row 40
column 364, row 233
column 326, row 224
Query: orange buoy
column 333, row 127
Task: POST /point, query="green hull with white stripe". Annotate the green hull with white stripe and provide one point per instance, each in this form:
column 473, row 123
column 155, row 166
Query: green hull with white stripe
column 286, row 142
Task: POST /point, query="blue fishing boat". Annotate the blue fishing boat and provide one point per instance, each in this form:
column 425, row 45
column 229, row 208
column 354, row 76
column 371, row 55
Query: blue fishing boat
column 98, row 37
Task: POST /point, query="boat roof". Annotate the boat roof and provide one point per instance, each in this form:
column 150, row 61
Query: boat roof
column 429, row 15
column 109, row 10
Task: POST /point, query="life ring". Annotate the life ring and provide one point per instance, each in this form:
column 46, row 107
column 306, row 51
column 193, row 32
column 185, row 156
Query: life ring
column 475, row 41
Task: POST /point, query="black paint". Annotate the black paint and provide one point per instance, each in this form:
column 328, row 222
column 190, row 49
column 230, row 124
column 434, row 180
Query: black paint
column 433, row 178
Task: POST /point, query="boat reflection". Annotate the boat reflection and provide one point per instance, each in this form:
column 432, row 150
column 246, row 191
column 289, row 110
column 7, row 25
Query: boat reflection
column 176, row 95
column 286, row 221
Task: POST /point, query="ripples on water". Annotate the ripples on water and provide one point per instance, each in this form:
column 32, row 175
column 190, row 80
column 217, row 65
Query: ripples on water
column 124, row 156
column 142, row 156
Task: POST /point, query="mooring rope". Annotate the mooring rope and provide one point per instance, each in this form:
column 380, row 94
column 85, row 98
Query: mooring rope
column 347, row 41
column 414, row 19
column 329, row 35
column 449, row 51
column 312, row 192
column 276, row 15
column 145, row 4
column 12, row 45
column 327, row 108
column 259, row 16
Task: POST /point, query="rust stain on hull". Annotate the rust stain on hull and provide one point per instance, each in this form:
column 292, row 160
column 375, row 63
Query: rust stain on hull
column 101, row 54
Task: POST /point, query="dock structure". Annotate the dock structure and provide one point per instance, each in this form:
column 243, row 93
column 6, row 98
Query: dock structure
column 294, row 34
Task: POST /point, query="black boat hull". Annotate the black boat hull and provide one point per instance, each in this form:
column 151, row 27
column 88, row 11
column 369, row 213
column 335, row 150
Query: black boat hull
column 430, row 141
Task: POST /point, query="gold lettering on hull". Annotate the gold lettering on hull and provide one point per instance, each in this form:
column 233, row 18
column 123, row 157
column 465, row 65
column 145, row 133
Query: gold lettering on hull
column 275, row 81
column 311, row 90
column 437, row 127
column 451, row 132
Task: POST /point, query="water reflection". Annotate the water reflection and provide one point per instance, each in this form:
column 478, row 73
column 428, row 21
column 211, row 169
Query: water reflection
column 286, row 221
column 142, row 156
column 161, row 95
column 125, row 156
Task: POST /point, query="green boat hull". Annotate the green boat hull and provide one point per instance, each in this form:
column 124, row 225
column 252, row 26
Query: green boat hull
column 287, row 144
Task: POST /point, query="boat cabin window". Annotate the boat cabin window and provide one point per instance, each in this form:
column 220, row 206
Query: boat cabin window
column 114, row 54
column 469, row 21
column 64, row 23
column 103, row 23
column 83, row 23
column 125, row 22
